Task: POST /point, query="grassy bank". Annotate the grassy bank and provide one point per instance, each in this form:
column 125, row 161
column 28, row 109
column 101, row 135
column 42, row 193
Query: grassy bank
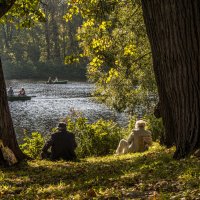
column 150, row 175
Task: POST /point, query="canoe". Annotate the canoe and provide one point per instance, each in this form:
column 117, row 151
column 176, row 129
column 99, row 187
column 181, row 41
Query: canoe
column 59, row 82
column 19, row 98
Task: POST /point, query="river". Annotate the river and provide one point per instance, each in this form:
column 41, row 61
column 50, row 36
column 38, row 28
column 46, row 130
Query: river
column 53, row 103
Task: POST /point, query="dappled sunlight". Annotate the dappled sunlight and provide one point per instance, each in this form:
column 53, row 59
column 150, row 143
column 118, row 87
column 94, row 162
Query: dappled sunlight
column 137, row 175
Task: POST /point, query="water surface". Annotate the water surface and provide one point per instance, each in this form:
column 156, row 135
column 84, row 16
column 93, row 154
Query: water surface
column 54, row 102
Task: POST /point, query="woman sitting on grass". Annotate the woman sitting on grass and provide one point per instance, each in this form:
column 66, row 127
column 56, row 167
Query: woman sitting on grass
column 138, row 141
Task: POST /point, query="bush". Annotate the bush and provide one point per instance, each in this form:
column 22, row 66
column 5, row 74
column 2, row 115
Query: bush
column 156, row 127
column 131, row 124
column 93, row 139
column 98, row 138
column 33, row 144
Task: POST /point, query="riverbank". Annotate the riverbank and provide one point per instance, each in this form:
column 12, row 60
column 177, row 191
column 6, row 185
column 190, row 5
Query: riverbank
column 150, row 175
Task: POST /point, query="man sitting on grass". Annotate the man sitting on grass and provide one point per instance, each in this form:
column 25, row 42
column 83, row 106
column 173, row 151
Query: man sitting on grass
column 138, row 141
column 62, row 145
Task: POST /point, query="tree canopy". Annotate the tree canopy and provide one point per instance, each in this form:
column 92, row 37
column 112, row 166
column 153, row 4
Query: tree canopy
column 114, row 39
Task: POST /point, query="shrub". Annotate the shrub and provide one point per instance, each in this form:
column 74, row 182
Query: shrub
column 33, row 144
column 94, row 139
column 156, row 127
column 98, row 138
column 131, row 124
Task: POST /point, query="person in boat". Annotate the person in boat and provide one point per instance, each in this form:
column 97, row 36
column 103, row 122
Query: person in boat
column 56, row 79
column 22, row 92
column 62, row 144
column 50, row 80
column 10, row 91
column 138, row 141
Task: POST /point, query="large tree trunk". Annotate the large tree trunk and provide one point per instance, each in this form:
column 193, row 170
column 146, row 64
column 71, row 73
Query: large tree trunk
column 7, row 133
column 174, row 34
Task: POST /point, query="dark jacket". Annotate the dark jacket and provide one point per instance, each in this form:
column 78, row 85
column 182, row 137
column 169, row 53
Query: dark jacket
column 62, row 145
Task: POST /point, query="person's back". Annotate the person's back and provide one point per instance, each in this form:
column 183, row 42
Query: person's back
column 63, row 146
column 139, row 137
column 138, row 141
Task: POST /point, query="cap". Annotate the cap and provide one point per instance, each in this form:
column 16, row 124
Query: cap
column 62, row 125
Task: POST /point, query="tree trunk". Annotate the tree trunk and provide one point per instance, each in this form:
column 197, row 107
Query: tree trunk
column 55, row 33
column 64, row 33
column 174, row 34
column 7, row 133
column 47, row 37
column 5, row 36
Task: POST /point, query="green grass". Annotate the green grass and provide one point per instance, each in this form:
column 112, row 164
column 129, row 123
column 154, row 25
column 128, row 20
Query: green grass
column 150, row 175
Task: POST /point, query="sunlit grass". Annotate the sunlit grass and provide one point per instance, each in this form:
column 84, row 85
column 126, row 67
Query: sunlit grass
column 149, row 175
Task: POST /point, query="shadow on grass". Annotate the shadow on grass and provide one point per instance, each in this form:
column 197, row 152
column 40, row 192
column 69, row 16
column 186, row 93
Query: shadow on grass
column 108, row 177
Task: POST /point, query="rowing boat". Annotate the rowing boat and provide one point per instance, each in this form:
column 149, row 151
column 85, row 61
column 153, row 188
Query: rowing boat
column 19, row 98
column 58, row 82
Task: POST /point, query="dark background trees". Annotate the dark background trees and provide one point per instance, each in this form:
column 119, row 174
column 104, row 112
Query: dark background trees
column 38, row 50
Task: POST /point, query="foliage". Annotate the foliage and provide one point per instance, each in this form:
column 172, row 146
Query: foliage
column 33, row 144
column 149, row 175
column 93, row 139
column 155, row 125
column 35, row 44
column 113, row 38
column 132, row 122
column 27, row 12
column 43, row 71
column 98, row 138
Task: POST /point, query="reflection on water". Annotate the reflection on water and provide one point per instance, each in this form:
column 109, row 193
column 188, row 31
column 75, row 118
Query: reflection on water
column 54, row 102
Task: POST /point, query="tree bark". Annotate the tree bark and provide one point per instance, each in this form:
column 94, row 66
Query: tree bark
column 174, row 33
column 7, row 133
column 55, row 33
column 47, row 31
column 7, row 33
column 47, row 37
